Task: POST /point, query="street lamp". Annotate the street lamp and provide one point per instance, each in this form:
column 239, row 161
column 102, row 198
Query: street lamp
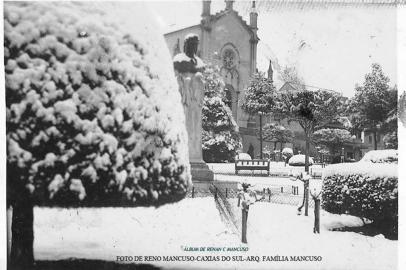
column 318, row 152
column 342, row 155
column 260, row 134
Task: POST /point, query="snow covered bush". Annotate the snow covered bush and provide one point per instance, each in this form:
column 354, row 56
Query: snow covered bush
column 93, row 109
column 220, row 138
column 299, row 160
column 243, row 156
column 381, row 156
column 287, row 153
column 365, row 190
column 93, row 112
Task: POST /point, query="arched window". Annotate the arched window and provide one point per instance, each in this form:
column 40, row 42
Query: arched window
column 229, row 59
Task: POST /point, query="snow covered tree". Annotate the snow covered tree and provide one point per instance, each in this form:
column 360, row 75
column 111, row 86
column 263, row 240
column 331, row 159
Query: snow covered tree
column 94, row 116
column 259, row 99
column 311, row 109
column 373, row 105
column 220, row 136
column 332, row 138
column 276, row 133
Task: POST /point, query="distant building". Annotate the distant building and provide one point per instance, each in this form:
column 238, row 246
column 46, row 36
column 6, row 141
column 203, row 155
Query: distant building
column 367, row 138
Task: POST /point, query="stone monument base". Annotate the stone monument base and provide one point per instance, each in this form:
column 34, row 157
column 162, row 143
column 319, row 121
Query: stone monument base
column 201, row 172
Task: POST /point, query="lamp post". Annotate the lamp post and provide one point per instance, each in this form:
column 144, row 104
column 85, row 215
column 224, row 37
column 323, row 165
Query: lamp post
column 342, row 155
column 260, row 135
column 318, row 152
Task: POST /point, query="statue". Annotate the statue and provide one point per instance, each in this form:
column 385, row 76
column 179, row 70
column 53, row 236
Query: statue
column 188, row 67
column 188, row 61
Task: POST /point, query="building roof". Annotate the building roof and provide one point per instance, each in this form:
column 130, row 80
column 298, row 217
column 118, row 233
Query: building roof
column 183, row 28
column 215, row 17
column 298, row 87
column 222, row 13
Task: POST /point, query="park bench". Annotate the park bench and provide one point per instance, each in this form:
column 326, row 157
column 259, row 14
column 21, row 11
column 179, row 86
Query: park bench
column 252, row 165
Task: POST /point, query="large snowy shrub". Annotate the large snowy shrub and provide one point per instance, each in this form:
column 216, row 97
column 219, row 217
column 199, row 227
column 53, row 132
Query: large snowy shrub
column 93, row 110
column 299, row 160
column 381, row 156
column 363, row 189
column 220, row 138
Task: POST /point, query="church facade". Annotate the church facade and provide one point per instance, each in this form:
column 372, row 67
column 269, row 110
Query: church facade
column 228, row 41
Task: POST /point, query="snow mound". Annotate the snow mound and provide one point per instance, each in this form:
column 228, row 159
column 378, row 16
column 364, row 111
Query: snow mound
column 243, row 156
column 372, row 170
column 92, row 103
column 381, row 156
column 299, row 160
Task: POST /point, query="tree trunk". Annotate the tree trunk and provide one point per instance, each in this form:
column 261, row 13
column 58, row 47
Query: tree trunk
column 307, row 153
column 375, row 142
column 306, row 194
column 316, row 228
column 244, row 225
column 260, row 136
column 22, row 238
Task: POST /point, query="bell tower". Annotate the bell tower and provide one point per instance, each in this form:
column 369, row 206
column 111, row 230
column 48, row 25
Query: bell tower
column 270, row 71
column 229, row 4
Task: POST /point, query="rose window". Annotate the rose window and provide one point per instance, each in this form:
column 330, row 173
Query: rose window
column 229, row 59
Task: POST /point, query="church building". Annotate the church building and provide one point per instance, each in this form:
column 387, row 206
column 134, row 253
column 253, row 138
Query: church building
column 228, row 41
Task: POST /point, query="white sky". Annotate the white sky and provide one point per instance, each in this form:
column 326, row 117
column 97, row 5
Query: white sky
column 337, row 43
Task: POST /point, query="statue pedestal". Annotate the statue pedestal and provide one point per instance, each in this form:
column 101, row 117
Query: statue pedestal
column 201, row 172
column 191, row 88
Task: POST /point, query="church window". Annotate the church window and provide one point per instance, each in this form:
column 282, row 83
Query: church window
column 229, row 58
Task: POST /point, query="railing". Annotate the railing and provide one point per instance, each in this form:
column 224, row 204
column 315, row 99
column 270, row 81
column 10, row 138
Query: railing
column 290, row 195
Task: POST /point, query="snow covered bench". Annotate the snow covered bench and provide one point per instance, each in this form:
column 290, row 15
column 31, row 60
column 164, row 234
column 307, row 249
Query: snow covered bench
column 252, row 165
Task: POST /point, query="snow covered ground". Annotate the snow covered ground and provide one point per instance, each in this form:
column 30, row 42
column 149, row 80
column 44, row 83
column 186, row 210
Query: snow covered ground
column 276, row 229
column 273, row 230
